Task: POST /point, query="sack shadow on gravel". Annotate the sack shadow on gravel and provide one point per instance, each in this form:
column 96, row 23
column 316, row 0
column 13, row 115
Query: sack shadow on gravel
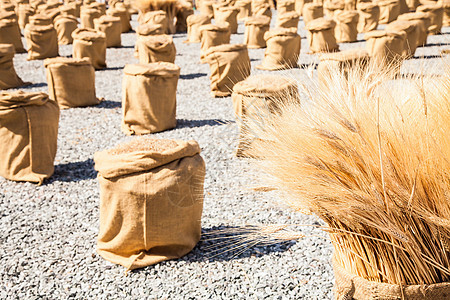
column 192, row 76
column 74, row 171
column 33, row 85
column 182, row 123
column 109, row 104
column 427, row 56
column 436, row 44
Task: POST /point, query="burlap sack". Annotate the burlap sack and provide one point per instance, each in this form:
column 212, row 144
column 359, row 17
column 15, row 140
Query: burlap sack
column 98, row 6
column 52, row 13
column 7, row 7
column 350, row 4
column 112, row 28
column 71, row 81
column 40, row 19
column 184, row 10
column 255, row 99
column 412, row 30
column 42, row 41
column 288, row 20
column 149, row 97
column 341, row 62
column 193, row 31
column 389, row 11
column 436, row 14
column 285, row 6
column 64, row 26
column 155, row 48
column 369, row 13
column 350, row 286
column 158, row 17
column 299, row 4
column 420, row 17
column 92, row 44
column 28, row 136
column 245, row 9
column 263, row 10
column 68, row 10
column 321, row 35
column 228, row 15
column 123, row 15
column 213, row 35
column 385, row 47
column 149, row 29
column 87, row 16
column 8, row 15
column 229, row 64
column 10, row 34
column 24, row 13
column 255, row 28
column 346, row 26
column 8, row 75
column 151, row 201
column 283, row 49
column 312, row 11
column 332, row 6
column 446, row 15
column 206, row 8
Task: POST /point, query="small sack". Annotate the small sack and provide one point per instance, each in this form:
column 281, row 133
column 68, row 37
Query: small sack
column 8, row 75
column 412, row 35
column 446, row 15
column 87, row 16
column 255, row 28
column 245, row 9
column 42, row 41
column 346, row 26
column 10, row 34
column 288, row 20
column 92, row 44
column 151, row 201
column 312, row 11
column 332, row 6
column 158, row 17
column 193, row 27
column 28, row 136
column 40, row 19
column 52, row 13
column 213, row 35
column 112, row 28
column 369, row 13
column 155, row 48
column 184, row 10
column 24, row 13
column 283, row 49
column 71, row 81
column 255, row 99
column 229, row 64
column 263, row 10
column 420, row 17
column 206, row 8
column 149, row 97
column 228, row 15
column 385, row 47
column 437, row 16
column 285, row 6
column 299, row 4
column 101, row 7
column 321, row 35
column 122, row 13
column 389, row 11
column 68, row 10
column 65, row 26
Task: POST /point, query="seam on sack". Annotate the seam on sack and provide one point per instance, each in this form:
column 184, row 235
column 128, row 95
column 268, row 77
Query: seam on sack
column 30, row 141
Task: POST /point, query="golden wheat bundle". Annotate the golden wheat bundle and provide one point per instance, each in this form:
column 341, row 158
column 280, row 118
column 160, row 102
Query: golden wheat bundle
column 370, row 156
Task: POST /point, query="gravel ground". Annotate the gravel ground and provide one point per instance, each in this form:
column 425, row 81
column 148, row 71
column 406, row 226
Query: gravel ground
column 48, row 234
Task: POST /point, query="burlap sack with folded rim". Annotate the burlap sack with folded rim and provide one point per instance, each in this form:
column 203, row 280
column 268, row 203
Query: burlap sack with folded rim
column 346, row 26
column 213, row 35
column 40, row 19
column 90, row 43
column 424, row 19
column 7, row 7
column 68, row 10
column 71, row 81
column 184, row 10
column 263, row 10
column 155, row 48
column 193, row 27
column 149, row 97
column 321, row 35
column 228, row 15
column 255, row 28
column 157, row 17
column 299, row 4
column 64, row 26
column 229, row 64
column 446, row 14
column 112, row 28
column 285, row 6
column 288, row 20
column 369, row 13
column 245, row 9
column 98, row 6
column 283, row 49
column 255, row 99
column 412, row 35
column 385, row 47
column 436, row 17
column 42, row 41
column 350, row 286
column 151, row 201
column 8, row 75
column 389, row 11
column 10, row 34
column 332, row 6
column 206, row 8
column 149, row 29
column 122, row 13
column 24, row 13
column 28, row 136
column 8, row 15
column 87, row 16
column 312, row 11
column 52, row 13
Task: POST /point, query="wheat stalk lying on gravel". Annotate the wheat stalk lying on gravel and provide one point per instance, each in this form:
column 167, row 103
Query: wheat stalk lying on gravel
column 371, row 157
